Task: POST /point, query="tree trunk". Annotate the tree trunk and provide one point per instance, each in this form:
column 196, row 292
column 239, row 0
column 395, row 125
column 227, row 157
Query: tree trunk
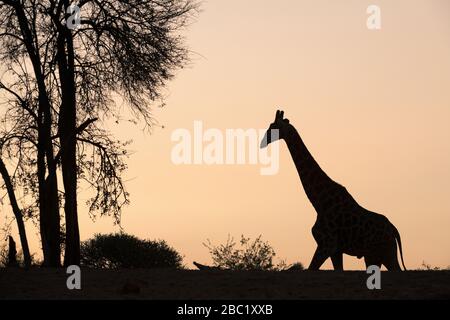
column 72, row 254
column 17, row 213
column 50, row 211
column 48, row 187
column 49, row 219
column 67, row 133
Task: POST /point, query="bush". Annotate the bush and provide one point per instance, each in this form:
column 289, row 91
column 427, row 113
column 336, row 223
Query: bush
column 296, row 266
column 3, row 255
column 253, row 255
column 426, row 267
column 120, row 250
column 20, row 261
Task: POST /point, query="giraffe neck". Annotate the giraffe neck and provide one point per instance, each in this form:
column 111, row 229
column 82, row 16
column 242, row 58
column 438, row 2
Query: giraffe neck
column 320, row 189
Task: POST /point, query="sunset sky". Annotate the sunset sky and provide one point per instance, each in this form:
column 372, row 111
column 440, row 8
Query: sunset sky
column 373, row 107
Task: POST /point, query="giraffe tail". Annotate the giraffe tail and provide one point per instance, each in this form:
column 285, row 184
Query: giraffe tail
column 399, row 242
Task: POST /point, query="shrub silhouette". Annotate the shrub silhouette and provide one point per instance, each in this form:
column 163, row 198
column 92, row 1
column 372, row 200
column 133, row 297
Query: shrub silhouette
column 427, row 267
column 20, row 259
column 296, row 266
column 252, row 255
column 120, row 250
column 3, row 255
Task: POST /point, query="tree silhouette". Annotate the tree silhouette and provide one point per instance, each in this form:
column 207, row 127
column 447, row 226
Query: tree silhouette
column 63, row 82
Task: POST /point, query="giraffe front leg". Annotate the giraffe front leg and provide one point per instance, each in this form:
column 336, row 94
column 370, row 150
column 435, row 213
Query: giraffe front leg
column 337, row 260
column 318, row 259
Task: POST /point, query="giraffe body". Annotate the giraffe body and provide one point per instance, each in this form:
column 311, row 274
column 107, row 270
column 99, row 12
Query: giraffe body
column 342, row 225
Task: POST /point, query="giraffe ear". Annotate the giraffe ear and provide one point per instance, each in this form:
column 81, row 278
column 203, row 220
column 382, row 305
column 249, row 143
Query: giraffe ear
column 286, row 120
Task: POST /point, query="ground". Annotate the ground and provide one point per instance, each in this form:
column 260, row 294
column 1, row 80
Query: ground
column 40, row 283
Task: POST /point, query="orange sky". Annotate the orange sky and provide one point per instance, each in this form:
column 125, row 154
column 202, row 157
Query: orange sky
column 372, row 106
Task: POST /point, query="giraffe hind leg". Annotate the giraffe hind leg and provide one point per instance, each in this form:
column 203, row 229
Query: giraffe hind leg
column 392, row 265
column 318, row 259
column 390, row 261
column 372, row 261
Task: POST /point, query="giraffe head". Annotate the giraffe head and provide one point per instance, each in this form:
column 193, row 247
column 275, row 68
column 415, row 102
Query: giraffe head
column 276, row 130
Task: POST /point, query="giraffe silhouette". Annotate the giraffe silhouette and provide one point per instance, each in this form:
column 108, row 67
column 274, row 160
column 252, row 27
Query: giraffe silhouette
column 342, row 225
